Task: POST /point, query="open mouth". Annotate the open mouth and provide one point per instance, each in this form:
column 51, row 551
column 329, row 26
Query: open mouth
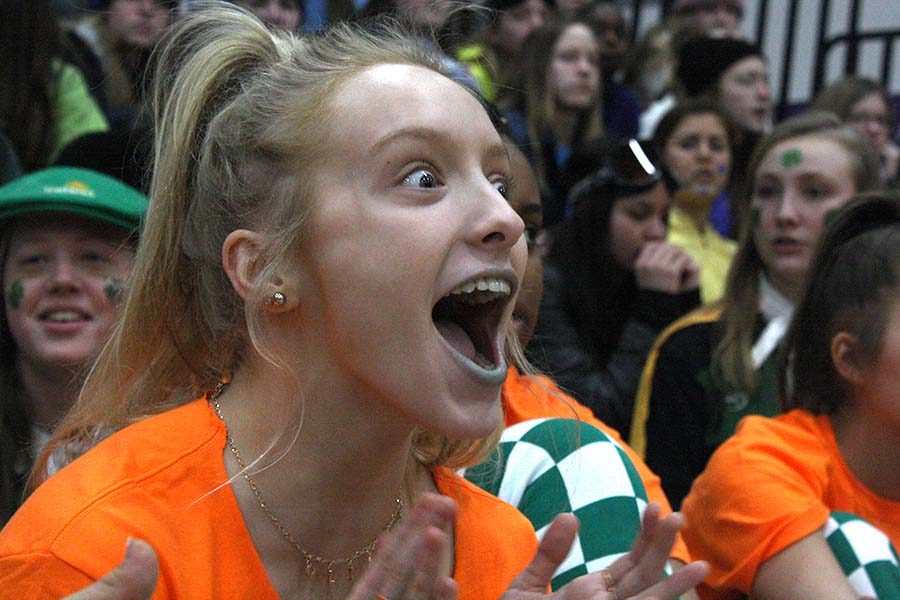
column 468, row 318
column 63, row 316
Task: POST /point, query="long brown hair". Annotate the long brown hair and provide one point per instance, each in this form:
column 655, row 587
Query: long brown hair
column 740, row 303
column 538, row 100
column 241, row 114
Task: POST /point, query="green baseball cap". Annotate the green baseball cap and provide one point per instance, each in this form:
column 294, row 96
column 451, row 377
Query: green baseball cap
column 74, row 191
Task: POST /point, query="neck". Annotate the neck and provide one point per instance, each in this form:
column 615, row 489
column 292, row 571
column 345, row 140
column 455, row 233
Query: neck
column 49, row 391
column 695, row 207
column 333, row 487
column 871, row 450
column 565, row 126
column 791, row 290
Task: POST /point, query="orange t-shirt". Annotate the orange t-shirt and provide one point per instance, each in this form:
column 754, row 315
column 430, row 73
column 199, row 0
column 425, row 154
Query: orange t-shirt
column 774, row 482
column 159, row 480
column 535, row 397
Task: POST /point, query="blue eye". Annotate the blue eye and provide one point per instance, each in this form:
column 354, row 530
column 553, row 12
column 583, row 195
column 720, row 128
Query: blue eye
column 421, row 178
column 502, row 187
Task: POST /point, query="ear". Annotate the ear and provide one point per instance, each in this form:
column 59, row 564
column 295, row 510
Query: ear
column 845, row 356
column 240, row 256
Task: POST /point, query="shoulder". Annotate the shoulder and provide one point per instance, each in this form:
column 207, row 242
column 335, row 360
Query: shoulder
column 162, row 457
column 694, row 326
column 770, row 468
column 763, row 490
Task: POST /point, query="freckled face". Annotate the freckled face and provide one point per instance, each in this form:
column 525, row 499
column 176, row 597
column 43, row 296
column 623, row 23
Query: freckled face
column 410, row 208
column 797, row 184
column 56, row 276
column 636, row 220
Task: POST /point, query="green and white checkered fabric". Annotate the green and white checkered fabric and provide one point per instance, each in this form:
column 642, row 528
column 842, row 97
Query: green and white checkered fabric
column 866, row 556
column 545, row 467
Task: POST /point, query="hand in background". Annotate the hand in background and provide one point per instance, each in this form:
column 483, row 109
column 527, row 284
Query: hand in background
column 664, row 267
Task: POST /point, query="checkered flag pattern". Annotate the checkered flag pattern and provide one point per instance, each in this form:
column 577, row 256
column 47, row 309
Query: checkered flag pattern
column 866, row 556
column 545, row 467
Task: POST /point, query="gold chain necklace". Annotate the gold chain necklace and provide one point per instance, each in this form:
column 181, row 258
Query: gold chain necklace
column 313, row 562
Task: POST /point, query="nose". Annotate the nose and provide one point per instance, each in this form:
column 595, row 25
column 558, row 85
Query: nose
column 762, row 89
column 786, row 208
column 537, row 20
column 497, row 227
column 656, row 230
column 64, row 275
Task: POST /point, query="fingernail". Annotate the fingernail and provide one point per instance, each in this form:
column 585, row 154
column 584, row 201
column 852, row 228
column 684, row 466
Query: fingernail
column 129, row 548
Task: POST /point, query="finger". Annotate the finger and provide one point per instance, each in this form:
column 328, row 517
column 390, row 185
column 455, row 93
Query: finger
column 425, row 576
column 395, row 560
column 552, row 550
column 676, row 584
column 133, row 579
column 446, row 589
column 644, row 564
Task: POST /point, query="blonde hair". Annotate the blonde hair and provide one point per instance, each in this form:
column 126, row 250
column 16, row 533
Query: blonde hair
column 241, row 114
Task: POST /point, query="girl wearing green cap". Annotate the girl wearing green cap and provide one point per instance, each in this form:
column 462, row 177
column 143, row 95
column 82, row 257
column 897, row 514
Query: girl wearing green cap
column 66, row 251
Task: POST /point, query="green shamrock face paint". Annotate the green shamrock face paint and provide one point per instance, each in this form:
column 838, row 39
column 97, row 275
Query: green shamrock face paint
column 113, row 288
column 792, row 157
column 15, row 294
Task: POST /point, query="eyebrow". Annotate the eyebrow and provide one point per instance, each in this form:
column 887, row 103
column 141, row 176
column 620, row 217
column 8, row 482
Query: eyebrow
column 497, row 150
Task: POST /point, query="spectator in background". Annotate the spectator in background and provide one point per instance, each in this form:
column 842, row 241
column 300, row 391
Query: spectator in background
column 426, row 19
column 650, row 69
column 280, row 14
column 806, row 505
column 44, row 103
column 732, row 73
column 66, row 251
column 115, row 47
column 719, row 18
column 694, row 141
column 611, row 282
column 568, row 9
column 558, row 110
column 864, row 105
column 717, row 365
column 496, row 59
column 621, row 108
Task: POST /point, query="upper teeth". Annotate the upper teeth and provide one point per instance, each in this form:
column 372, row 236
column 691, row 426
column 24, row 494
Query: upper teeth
column 484, row 284
column 64, row 316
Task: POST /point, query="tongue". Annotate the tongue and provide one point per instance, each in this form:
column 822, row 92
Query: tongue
column 457, row 338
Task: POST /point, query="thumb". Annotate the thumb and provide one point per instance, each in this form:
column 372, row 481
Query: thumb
column 552, row 551
column 133, row 579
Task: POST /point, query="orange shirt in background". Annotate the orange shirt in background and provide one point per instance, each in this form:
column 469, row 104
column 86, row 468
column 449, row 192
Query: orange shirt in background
column 774, row 482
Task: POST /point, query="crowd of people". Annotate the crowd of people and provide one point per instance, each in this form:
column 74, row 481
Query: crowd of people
column 440, row 301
